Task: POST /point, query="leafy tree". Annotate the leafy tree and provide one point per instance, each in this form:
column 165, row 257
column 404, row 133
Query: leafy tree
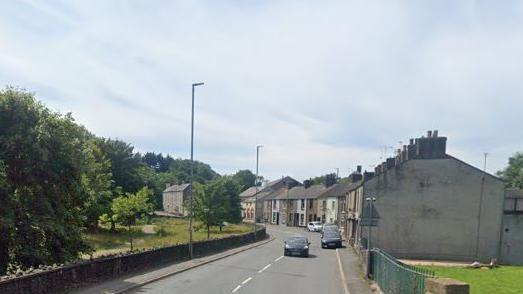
column 125, row 164
column 210, row 204
column 127, row 209
column 232, row 195
column 97, row 182
column 158, row 162
column 42, row 194
column 513, row 173
column 202, row 172
column 245, row 179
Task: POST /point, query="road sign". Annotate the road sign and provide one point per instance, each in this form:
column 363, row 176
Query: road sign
column 369, row 222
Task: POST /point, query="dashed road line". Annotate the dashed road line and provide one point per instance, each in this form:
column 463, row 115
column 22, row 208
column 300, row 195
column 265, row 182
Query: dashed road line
column 250, row 278
column 277, row 259
column 246, row 280
column 236, row 289
column 266, row 267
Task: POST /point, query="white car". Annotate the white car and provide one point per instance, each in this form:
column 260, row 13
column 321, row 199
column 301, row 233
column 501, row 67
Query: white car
column 314, row 226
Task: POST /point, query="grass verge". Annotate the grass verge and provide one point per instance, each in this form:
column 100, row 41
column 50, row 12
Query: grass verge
column 500, row 280
column 161, row 231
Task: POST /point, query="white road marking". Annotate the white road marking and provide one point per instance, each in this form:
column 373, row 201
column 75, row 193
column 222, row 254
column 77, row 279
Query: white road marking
column 266, row 267
column 278, row 258
column 246, row 280
column 236, row 289
column 342, row 273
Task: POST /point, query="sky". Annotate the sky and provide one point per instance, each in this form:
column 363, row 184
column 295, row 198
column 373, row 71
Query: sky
column 322, row 85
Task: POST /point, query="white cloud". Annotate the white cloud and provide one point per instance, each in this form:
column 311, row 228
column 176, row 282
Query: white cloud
column 322, row 86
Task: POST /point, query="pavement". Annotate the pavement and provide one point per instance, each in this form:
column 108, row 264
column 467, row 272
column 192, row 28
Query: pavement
column 255, row 268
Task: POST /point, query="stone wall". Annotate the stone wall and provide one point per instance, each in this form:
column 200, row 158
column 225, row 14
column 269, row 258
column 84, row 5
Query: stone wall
column 512, row 240
column 61, row 279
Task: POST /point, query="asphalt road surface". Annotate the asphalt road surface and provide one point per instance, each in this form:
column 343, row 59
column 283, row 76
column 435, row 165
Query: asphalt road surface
column 262, row 269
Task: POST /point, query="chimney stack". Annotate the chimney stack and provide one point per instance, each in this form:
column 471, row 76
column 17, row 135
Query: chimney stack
column 435, row 133
column 429, row 134
column 358, row 169
column 411, row 141
column 306, row 184
column 167, row 185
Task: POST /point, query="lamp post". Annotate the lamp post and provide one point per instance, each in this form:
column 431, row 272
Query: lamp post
column 256, row 193
column 371, row 201
column 192, row 172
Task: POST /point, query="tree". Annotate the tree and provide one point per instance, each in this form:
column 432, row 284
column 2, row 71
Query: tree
column 127, row 209
column 512, row 175
column 42, row 195
column 97, row 183
column 125, row 164
column 245, row 179
column 232, row 194
column 210, row 205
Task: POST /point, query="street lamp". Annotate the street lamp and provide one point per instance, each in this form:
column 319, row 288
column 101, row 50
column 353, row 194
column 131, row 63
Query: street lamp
column 371, row 201
column 192, row 172
column 256, row 185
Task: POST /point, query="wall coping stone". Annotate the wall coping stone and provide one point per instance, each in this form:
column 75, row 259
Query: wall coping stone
column 445, row 286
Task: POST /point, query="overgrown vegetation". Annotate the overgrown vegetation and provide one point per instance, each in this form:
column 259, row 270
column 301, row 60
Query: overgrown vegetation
column 58, row 180
column 512, row 175
column 157, row 232
column 500, row 280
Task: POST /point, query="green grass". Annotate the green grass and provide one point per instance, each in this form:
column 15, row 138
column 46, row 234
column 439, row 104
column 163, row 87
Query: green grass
column 161, row 232
column 500, row 280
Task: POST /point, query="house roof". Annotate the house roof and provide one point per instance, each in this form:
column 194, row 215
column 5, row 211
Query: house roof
column 300, row 192
column 339, row 189
column 249, row 192
column 177, row 188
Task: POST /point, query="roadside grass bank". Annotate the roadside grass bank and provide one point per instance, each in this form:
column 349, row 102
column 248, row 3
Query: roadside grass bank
column 158, row 232
column 500, row 280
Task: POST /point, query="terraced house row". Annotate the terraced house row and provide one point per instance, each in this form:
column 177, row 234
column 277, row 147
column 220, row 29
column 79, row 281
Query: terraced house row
column 422, row 203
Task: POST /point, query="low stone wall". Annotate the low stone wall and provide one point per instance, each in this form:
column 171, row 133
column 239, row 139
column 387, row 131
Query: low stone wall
column 445, row 286
column 82, row 273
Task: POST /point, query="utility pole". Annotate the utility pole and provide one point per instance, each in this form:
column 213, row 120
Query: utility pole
column 256, row 193
column 192, row 172
column 480, row 208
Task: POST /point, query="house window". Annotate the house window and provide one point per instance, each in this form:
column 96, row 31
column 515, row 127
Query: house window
column 302, row 204
column 273, row 203
column 310, row 204
column 324, row 204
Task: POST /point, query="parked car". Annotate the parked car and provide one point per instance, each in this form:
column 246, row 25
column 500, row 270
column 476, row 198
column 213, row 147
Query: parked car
column 331, row 239
column 330, row 227
column 296, row 246
column 314, row 226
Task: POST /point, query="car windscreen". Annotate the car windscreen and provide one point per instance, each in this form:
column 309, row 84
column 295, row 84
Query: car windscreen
column 331, row 236
column 296, row 241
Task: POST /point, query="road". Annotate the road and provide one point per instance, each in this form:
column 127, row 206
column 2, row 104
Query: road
column 262, row 269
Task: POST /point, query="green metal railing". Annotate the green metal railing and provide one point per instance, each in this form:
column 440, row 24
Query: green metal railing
column 395, row 277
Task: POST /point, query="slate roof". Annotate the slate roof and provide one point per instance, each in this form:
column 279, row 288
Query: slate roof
column 177, row 188
column 249, row 192
column 339, row 189
column 300, row 192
